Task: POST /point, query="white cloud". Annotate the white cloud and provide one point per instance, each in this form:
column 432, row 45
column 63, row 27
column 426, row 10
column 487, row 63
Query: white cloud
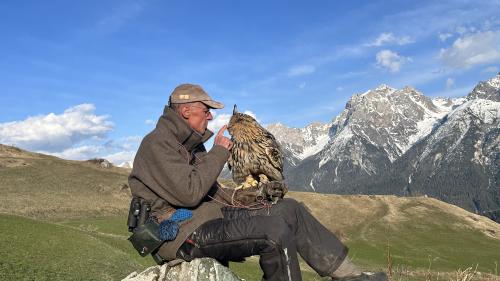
column 86, row 152
column 120, row 157
column 473, row 49
column 78, row 153
column 490, row 69
column 449, row 83
column 444, row 36
column 126, row 143
column 223, row 119
column 390, row 60
column 465, row 29
column 55, row 133
column 301, row 70
column 219, row 120
column 131, row 142
column 119, row 16
column 149, row 122
column 389, row 38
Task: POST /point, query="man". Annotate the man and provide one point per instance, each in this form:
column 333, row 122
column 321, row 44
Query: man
column 173, row 170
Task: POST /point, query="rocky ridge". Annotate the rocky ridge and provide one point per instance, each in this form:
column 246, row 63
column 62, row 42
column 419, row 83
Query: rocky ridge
column 385, row 137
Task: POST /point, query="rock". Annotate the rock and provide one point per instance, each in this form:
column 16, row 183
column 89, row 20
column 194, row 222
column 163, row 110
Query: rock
column 204, row 269
column 103, row 163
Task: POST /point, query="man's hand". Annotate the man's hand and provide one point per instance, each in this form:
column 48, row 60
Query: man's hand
column 221, row 140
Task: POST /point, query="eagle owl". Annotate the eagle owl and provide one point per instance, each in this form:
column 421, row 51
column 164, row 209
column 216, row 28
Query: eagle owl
column 255, row 154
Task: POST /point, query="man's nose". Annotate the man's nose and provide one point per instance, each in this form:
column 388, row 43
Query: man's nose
column 209, row 116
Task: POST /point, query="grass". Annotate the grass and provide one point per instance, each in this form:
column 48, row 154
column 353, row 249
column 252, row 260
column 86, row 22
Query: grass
column 102, row 252
column 80, row 249
column 429, row 241
column 57, row 189
column 36, row 250
column 66, row 220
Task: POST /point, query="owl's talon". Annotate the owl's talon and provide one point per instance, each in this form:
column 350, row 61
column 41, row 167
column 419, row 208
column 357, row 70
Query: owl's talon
column 249, row 182
column 263, row 178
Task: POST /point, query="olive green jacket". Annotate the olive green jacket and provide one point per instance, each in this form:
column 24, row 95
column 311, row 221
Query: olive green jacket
column 172, row 170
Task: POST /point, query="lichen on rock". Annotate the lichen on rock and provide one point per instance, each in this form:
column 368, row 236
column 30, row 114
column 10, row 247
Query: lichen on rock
column 204, row 269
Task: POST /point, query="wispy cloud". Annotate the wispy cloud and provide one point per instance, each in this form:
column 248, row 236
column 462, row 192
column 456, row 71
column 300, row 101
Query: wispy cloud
column 490, row 69
column 78, row 153
column 453, row 92
column 390, row 60
column 473, row 49
column 125, row 143
column 301, row 70
column 120, row 16
column 444, row 36
column 387, row 38
column 449, row 83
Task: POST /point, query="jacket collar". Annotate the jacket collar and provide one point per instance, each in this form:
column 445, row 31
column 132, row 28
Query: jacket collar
column 181, row 130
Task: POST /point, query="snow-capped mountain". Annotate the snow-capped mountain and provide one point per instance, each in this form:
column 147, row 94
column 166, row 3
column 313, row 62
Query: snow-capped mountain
column 460, row 161
column 300, row 143
column 374, row 130
column 127, row 164
column 390, row 141
column 487, row 90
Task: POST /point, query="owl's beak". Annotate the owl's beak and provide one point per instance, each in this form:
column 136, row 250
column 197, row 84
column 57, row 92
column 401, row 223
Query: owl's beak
column 235, row 110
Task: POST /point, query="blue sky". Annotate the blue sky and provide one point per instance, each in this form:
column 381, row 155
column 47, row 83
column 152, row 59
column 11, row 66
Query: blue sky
column 84, row 79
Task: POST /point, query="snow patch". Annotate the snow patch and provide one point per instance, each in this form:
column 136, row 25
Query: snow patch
column 338, row 145
column 312, row 185
column 321, row 142
column 494, row 82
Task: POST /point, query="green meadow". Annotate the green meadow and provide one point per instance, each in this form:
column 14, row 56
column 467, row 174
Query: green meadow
column 66, row 220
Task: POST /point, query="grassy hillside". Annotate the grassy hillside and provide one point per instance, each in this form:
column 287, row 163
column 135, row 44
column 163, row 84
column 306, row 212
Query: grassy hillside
column 418, row 232
column 65, row 220
column 45, row 187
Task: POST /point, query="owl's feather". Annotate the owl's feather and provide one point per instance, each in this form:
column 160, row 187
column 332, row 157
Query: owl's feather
column 255, row 151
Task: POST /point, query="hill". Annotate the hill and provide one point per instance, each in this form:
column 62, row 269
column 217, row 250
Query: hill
column 69, row 218
column 42, row 186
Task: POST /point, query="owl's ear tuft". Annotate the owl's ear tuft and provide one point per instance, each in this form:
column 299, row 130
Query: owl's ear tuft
column 235, row 110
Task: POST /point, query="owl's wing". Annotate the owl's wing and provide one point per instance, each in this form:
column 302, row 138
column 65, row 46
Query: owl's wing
column 273, row 152
column 230, row 161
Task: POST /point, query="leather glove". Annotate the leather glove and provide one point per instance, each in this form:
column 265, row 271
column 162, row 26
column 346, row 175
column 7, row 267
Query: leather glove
column 247, row 196
column 273, row 190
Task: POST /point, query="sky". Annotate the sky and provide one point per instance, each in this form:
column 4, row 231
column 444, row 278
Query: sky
column 86, row 79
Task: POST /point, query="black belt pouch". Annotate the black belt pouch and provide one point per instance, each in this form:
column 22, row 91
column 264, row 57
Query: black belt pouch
column 146, row 238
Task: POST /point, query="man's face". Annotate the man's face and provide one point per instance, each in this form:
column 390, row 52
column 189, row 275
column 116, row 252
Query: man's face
column 199, row 115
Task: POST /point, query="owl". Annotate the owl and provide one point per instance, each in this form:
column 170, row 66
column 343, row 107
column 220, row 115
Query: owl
column 255, row 153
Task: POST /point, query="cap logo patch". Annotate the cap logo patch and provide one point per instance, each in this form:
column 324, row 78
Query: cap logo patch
column 184, row 97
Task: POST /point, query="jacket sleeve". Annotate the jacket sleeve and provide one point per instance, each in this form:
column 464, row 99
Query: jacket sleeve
column 162, row 167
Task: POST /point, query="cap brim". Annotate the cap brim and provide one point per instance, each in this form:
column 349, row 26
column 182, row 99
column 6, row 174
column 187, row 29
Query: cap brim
column 213, row 104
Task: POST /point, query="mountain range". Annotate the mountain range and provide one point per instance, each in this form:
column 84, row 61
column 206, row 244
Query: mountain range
column 399, row 141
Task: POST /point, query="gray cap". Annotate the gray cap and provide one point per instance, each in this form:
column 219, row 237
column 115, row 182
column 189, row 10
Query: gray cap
column 186, row 93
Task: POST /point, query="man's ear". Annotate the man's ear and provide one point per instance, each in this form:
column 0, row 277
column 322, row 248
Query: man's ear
column 185, row 112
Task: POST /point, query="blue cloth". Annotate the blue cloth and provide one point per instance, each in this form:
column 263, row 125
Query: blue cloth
column 181, row 215
column 169, row 228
